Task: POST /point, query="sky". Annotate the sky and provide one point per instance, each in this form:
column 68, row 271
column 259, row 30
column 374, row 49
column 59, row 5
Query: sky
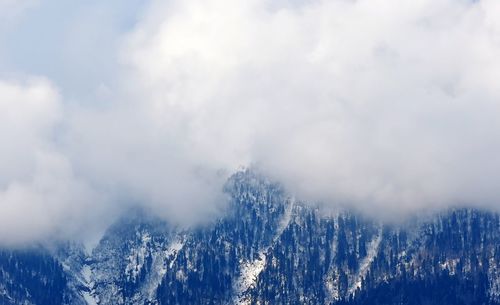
column 390, row 107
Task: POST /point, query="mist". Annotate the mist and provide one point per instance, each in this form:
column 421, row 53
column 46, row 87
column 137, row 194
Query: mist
column 389, row 107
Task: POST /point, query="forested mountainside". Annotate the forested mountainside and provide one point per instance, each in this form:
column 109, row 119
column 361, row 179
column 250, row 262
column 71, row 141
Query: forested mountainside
column 268, row 248
column 33, row 277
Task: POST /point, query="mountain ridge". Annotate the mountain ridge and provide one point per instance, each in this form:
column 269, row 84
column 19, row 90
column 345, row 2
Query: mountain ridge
column 270, row 248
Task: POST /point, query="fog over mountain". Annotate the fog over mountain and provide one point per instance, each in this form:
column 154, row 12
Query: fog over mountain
column 391, row 107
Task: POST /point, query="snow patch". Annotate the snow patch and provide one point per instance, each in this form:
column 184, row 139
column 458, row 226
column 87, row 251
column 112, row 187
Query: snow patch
column 89, row 299
column 137, row 257
column 332, row 286
column 248, row 278
column 162, row 261
column 331, row 279
column 86, row 273
column 173, row 249
column 86, row 278
column 250, row 270
column 366, row 262
column 287, row 217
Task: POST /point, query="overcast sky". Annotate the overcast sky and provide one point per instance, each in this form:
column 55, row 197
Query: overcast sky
column 389, row 106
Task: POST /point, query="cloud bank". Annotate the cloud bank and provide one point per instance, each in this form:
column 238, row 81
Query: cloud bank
column 388, row 106
column 40, row 196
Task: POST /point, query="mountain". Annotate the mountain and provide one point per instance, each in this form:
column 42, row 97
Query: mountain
column 268, row 248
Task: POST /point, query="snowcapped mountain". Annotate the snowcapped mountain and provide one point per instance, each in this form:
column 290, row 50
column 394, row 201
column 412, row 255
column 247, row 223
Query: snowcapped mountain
column 268, row 248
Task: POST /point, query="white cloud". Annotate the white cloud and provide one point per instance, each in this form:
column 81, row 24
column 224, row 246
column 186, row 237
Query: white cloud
column 40, row 197
column 382, row 104
column 28, row 114
column 389, row 106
